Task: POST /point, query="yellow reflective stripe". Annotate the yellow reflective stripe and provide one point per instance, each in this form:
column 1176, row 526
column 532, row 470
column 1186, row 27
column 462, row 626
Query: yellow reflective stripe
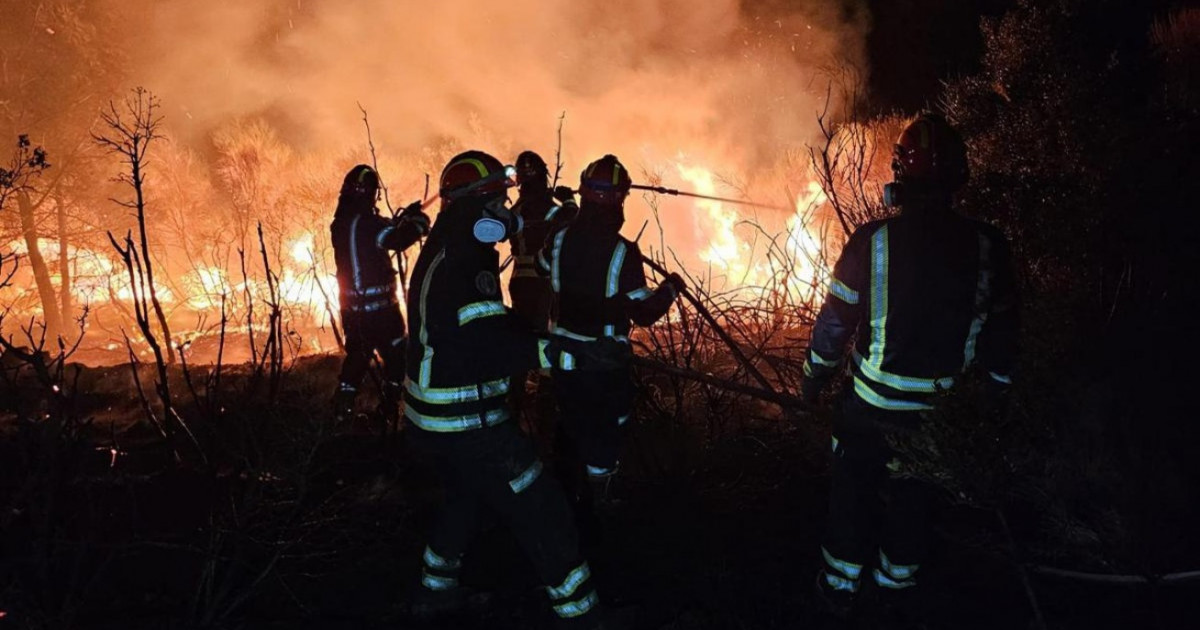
column 569, row 584
column 566, row 361
column 869, row 395
column 479, row 166
column 845, row 567
column 639, row 294
column 423, row 334
column 896, row 571
column 543, row 360
column 843, row 292
column 454, row 424
column 577, row 608
column 477, row 310
column 614, row 269
column 983, row 290
column 879, row 295
column 887, row 582
column 450, row 395
column 820, row 360
column 437, row 582
column 555, row 272
column 902, row 383
column 434, row 561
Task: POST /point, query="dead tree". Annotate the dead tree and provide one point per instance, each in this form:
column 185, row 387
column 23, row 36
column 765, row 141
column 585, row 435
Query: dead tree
column 131, row 129
column 26, row 163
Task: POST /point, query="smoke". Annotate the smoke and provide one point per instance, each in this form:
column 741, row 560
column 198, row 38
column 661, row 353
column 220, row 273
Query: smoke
column 648, row 80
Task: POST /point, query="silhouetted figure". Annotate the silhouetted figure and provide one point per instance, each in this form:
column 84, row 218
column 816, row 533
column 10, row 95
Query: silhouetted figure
column 599, row 283
column 370, row 310
column 929, row 294
column 465, row 347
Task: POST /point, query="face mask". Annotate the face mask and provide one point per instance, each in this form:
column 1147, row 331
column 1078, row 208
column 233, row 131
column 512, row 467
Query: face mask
column 498, row 223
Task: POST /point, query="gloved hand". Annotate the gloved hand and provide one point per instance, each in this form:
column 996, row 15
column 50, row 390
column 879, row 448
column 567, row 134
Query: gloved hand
column 413, row 214
column 605, row 353
column 565, row 195
column 676, row 282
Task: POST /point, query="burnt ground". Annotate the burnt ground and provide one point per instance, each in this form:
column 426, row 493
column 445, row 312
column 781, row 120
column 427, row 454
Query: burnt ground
column 726, row 539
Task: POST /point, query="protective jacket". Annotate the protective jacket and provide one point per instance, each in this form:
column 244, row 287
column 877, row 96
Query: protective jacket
column 929, row 293
column 542, row 215
column 464, row 345
column 366, row 277
column 598, row 278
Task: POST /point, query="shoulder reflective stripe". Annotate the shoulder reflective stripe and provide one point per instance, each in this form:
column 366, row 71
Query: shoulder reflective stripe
column 1000, row 378
column 434, row 561
column 526, row 478
column 555, row 263
column 383, row 234
column 614, row 269
column 450, row 395
column 820, row 360
column 845, row 293
column 356, row 269
column 571, row 583
column 437, row 582
column 639, row 294
column 897, row 571
column 902, row 383
column 879, row 295
column 983, row 291
column 566, row 361
column 869, row 395
column 887, row 582
column 423, row 334
column 455, row 424
column 477, row 310
column 577, row 608
column 543, row 360
column 845, row 567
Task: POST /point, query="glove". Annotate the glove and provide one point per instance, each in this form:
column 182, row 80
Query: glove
column 413, row 214
column 565, row 195
column 675, row 281
column 605, row 353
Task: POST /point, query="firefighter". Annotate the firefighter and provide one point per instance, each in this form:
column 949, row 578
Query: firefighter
column 926, row 294
column 464, row 348
column 600, row 286
column 371, row 320
column 542, row 211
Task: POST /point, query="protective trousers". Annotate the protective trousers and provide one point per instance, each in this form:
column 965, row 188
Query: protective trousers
column 379, row 331
column 878, row 512
column 497, row 468
column 594, row 407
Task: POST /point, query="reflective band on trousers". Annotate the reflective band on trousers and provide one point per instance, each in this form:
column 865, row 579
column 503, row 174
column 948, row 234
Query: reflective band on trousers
column 841, row 583
column 450, row 395
column 434, row 561
column 570, row 583
column 846, row 568
column 888, row 582
column 577, row 608
column 897, row 571
column 437, row 582
column 526, row 479
column 454, row 424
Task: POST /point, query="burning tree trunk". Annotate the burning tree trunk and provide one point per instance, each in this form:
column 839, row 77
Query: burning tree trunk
column 130, row 139
column 37, row 263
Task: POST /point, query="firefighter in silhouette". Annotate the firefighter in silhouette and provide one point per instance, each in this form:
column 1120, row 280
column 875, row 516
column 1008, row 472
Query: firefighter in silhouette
column 926, row 294
column 600, row 287
column 362, row 246
column 464, row 348
column 542, row 211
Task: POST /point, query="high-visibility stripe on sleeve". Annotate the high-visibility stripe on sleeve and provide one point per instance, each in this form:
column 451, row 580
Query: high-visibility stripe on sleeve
column 820, row 360
column 382, row 236
column 839, row 289
column 478, row 310
column 614, row 269
column 872, row 397
column 543, row 360
column 571, row 583
column 525, row 479
column 639, row 294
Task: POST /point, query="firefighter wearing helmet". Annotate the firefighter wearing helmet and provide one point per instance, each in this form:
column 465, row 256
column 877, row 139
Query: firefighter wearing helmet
column 465, row 346
column 371, row 320
column 926, row 294
column 543, row 211
column 600, row 286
